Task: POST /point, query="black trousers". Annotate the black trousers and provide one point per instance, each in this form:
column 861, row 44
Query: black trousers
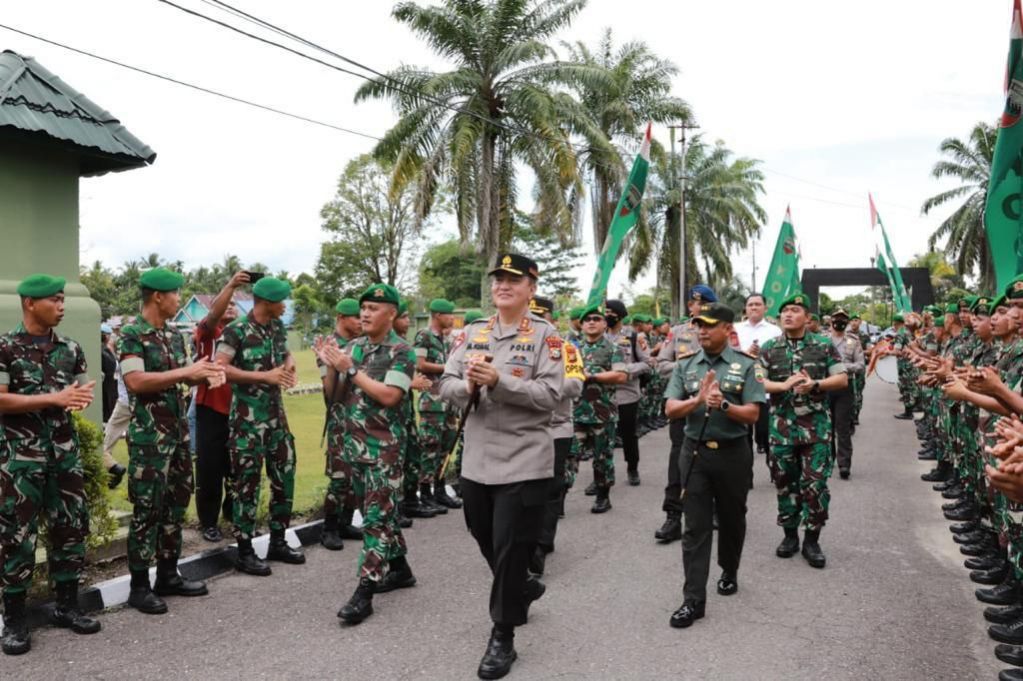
column 212, row 466
column 719, row 477
column 673, row 491
column 562, row 448
column 627, row 432
column 505, row 521
column 761, row 429
column 842, row 404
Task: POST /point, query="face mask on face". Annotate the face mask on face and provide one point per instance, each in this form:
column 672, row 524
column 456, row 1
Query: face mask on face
column 611, row 319
column 839, row 326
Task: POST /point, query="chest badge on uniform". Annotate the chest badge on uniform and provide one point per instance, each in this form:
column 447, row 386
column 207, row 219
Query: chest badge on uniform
column 553, row 347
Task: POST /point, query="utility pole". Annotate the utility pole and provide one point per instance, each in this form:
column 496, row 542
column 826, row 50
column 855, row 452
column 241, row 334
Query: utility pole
column 754, row 250
column 682, row 210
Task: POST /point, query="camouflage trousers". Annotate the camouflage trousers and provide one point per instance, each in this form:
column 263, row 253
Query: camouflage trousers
column 32, row 482
column 969, row 466
column 908, row 388
column 800, row 474
column 859, row 381
column 160, row 485
column 377, row 484
column 436, row 438
column 1012, row 519
column 270, row 445
column 597, row 440
column 340, row 496
column 411, row 460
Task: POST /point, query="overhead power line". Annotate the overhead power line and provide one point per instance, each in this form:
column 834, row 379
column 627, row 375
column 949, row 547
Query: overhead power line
column 192, row 86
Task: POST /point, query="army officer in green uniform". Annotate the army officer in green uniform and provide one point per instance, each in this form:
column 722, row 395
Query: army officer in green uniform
column 719, row 392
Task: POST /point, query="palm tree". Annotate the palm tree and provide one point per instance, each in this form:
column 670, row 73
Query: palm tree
column 499, row 106
column 965, row 238
column 640, row 91
column 722, row 214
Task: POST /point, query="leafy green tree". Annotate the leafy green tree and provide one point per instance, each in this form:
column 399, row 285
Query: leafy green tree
column 557, row 264
column 451, row 270
column 102, row 286
column 502, row 105
column 968, row 162
column 639, row 91
column 374, row 232
column 943, row 275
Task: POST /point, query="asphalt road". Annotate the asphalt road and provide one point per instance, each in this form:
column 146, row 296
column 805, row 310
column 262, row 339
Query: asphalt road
column 894, row 601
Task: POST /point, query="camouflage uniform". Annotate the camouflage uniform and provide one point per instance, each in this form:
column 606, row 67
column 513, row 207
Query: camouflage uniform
column 595, row 413
column 374, row 438
column 859, row 379
column 437, row 422
column 40, row 465
column 160, row 481
column 907, row 371
column 340, row 495
column 971, row 462
column 1010, row 367
column 800, row 457
column 259, row 426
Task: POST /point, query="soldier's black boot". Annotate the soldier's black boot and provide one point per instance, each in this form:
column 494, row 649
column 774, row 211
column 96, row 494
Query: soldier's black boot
column 790, row 544
column 399, row 576
column 1009, row 654
column 538, row 562
column 1006, row 593
column 360, row 605
column 812, row 550
column 248, row 562
column 602, row 504
column 141, row 596
column 907, row 415
column 280, row 550
column 1015, row 674
column 940, row 473
column 115, row 474
column 533, row 591
column 671, row 530
column 404, row 522
column 441, row 496
column 169, row 581
column 345, row 527
column 1004, row 614
column 500, row 655
column 330, row 535
column 16, row 638
column 1011, row 633
column 68, row 615
column 426, row 498
column 591, row 489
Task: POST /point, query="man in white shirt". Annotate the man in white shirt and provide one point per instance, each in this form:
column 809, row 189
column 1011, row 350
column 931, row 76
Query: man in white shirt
column 753, row 332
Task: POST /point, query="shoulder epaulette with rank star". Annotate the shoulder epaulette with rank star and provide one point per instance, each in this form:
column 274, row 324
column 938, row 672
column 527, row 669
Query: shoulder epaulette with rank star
column 687, row 355
column 743, row 353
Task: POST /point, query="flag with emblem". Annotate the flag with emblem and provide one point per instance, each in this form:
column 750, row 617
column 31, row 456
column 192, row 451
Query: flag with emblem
column 783, row 276
column 625, row 217
column 1003, row 219
column 899, row 294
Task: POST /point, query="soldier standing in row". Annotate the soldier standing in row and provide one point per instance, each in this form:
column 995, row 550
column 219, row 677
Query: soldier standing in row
column 43, row 380
column 801, row 367
column 376, row 376
column 637, row 363
column 859, row 379
column 842, row 400
column 718, row 392
column 160, row 481
column 595, row 414
column 254, row 353
column 339, row 502
column 437, row 422
column 682, row 341
column 507, row 376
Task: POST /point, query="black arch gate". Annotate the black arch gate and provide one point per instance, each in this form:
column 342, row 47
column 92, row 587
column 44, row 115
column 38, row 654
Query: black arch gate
column 916, row 279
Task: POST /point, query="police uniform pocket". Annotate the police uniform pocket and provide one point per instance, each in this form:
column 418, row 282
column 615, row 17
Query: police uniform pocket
column 732, row 384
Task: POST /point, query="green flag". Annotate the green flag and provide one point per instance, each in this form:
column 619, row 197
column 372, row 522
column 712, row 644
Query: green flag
column 1002, row 212
column 783, row 275
column 899, row 294
column 624, row 220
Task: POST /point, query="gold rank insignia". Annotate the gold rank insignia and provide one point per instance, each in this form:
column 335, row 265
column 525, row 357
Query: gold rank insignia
column 799, row 300
column 379, row 293
column 506, row 262
column 736, row 366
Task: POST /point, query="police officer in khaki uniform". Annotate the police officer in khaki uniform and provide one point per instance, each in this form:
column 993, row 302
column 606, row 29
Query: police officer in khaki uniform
column 638, row 362
column 843, row 401
column 682, row 341
column 506, row 375
column 719, row 392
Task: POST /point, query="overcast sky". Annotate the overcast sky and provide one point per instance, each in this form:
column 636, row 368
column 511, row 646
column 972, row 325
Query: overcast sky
column 835, row 98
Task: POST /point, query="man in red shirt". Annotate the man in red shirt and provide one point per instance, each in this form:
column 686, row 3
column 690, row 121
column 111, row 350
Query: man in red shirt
column 212, row 406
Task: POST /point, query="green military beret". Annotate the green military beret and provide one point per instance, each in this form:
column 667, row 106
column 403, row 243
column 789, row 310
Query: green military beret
column 939, row 322
column 952, row 308
column 981, row 306
column 347, row 307
column 658, row 321
column 576, row 312
column 1000, row 301
column 556, row 315
column 442, row 306
column 403, row 308
column 898, row 318
column 382, row 293
column 271, row 289
column 1014, row 289
column 586, row 310
column 161, row 279
column 967, row 302
column 627, row 320
column 932, row 309
column 815, row 317
column 797, row 298
column 40, row 286
column 854, row 315
column 472, row 315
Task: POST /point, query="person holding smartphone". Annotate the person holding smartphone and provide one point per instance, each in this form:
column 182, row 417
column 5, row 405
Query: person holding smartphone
column 506, row 376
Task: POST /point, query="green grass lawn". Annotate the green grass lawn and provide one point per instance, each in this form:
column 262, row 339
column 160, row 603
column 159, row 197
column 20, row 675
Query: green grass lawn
column 305, row 416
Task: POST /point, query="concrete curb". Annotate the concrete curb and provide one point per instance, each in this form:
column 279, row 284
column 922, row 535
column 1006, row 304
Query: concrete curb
column 114, row 592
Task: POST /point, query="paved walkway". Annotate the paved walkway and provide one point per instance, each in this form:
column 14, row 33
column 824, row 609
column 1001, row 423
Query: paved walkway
column 894, row 602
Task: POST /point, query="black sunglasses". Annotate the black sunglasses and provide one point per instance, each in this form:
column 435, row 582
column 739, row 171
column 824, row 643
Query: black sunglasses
column 593, row 318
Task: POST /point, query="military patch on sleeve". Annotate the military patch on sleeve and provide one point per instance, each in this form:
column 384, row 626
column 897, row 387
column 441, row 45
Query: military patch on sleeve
column 554, row 345
column 573, row 363
column 458, row 340
column 642, row 343
column 758, row 372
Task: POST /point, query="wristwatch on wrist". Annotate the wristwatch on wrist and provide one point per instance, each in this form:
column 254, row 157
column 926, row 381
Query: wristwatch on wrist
column 725, row 405
column 351, row 372
column 816, row 386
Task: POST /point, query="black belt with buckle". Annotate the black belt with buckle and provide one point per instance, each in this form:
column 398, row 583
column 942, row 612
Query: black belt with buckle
column 715, row 444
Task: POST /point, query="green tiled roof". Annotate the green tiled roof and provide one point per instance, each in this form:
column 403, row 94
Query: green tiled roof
column 35, row 102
